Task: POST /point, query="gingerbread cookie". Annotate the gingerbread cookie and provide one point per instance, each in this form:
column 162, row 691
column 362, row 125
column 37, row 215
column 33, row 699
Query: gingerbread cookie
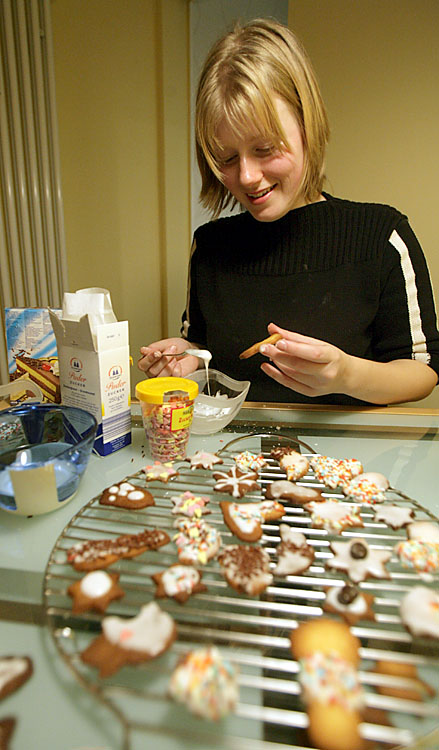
column 188, row 504
column 235, row 482
column 178, row 582
column 100, row 553
column 369, row 488
column 245, row 568
column 203, row 460
column 349, row 602
column 159, row 471
column 294, row 554
column 296, row 493
column 247, row 461
column 333, row 516
column 7, row 727
column 126, row 495
column 394, row 515
column 14, row 672
column 252, row 350
column 292, row 462
column 335, row 472
column 196, row 540
column 245, row 519
column 359, row 560
column 206, row 683
column 412, row 689
column 95, row 591
column 419, row 612
column 130, row 640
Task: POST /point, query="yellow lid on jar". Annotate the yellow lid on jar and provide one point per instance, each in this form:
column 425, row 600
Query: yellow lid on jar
column 159, row 390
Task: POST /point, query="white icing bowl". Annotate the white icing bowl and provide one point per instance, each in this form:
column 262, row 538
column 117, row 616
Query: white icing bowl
column 212, row 413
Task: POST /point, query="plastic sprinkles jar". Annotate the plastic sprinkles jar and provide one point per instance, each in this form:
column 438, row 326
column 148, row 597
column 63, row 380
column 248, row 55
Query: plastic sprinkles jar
column 167, row 410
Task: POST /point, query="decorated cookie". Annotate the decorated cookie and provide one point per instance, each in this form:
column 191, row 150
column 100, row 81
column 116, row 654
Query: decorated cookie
column 359, row 560
column 196, row 540
column 14, row 672
column 178, row 582
column 203, row 460
column 245, row 519
column 235, row 482
column 349, row 602
column 421, row 556
column 246, row 568
column 333, row 516
column 206, row 683
column 416, row 690
column 394, row 515
column 126, row 495
column 95, row 591
column 369, row 488
column 424, row 531
column 100, row 553
column 294, row 554
column 188, row 504
column 292, row 462
column 296, row 493
column 159, row 471
column 247, row 461
column 7, row 727
column 130, row 641
column 335, row 472
column 419, row 612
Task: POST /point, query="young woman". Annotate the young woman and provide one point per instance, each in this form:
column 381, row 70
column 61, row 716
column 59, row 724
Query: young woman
column 345, row 284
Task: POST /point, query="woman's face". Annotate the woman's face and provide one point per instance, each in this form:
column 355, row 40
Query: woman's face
column 264, row 180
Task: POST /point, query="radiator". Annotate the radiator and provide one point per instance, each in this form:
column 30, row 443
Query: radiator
column 33, row 271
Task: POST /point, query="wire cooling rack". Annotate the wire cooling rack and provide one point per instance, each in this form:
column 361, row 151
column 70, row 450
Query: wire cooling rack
column 252, row 632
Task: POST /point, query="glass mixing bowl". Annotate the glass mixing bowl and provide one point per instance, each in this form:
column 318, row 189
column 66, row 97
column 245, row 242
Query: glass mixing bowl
column 215, row 411
column 44, row 451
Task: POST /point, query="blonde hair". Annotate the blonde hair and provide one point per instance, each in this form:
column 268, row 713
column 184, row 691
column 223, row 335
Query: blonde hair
column 242, row 72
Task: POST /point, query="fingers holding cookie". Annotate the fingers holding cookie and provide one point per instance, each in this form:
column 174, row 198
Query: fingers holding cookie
column 254, row 349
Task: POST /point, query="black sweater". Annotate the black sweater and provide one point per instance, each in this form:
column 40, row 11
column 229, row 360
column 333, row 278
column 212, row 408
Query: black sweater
column 352, row 274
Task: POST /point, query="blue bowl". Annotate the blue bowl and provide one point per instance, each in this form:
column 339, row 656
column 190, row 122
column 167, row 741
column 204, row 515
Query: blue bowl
column 44, row 451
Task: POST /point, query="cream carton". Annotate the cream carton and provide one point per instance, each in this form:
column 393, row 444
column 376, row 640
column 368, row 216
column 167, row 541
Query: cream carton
column 94, row 372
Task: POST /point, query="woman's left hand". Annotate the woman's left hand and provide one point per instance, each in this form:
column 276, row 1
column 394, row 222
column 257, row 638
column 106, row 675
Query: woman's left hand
column 306, row 365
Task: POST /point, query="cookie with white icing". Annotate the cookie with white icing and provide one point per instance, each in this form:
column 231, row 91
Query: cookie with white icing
column 126, row 495
column 334, row 516
column 95, row 591
column 160, row 472
column 14, row 672
column 419, row 610
column 94, row 554
column 349, row 602
column 130, row 641
column 188, row 504
column 424, row 531
column 369, row 488
column 245, row 519
column 248, row 461
column 294, row 554
column 206, row 683
column 246, row 568
column 178, row 582
column 295, row 493
column 393, row 515
column 203, row 460
column 196, row 540
column 235, row 482
column 294, row 464
column 421, row 550
column 358, row 560
column 335, row 472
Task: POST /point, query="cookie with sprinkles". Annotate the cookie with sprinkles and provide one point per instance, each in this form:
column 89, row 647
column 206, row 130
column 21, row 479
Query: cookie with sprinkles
column 126, row 495
column 349, row 602
column 335, row 472
column 94, row 554
column 245, row 519
column 393, row 515
column 159, row 471
column 298, row 494
column 178, row 582
column 421, row 550
column 248, row 461
column 359, row 560
column 203, row 460
column 246, row 568
column 291, row 461
column 333, row 516
column 206, row 683
column 236, row 482
column 196, row 540
column 368, row 488
column 188, row 504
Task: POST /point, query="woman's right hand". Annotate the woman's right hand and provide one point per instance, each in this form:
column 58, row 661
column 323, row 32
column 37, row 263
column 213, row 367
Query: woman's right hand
column 157, row 360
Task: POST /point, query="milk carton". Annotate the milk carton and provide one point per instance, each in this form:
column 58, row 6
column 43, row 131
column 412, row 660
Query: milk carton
column 94, row 365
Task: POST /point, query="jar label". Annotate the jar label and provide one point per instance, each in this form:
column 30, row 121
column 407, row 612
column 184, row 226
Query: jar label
column 181, row 418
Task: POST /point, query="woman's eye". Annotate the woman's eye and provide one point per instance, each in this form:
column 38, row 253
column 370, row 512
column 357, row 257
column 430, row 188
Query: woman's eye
column 227, row 160
column 265, row 150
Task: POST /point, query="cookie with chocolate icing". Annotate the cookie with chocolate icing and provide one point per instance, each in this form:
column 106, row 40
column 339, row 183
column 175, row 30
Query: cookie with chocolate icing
column 294, row 464
column 93, row 554
column 246, row 568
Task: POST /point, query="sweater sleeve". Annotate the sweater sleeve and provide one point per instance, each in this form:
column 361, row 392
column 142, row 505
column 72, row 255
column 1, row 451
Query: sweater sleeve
column 405, row 326
column 193, row 325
